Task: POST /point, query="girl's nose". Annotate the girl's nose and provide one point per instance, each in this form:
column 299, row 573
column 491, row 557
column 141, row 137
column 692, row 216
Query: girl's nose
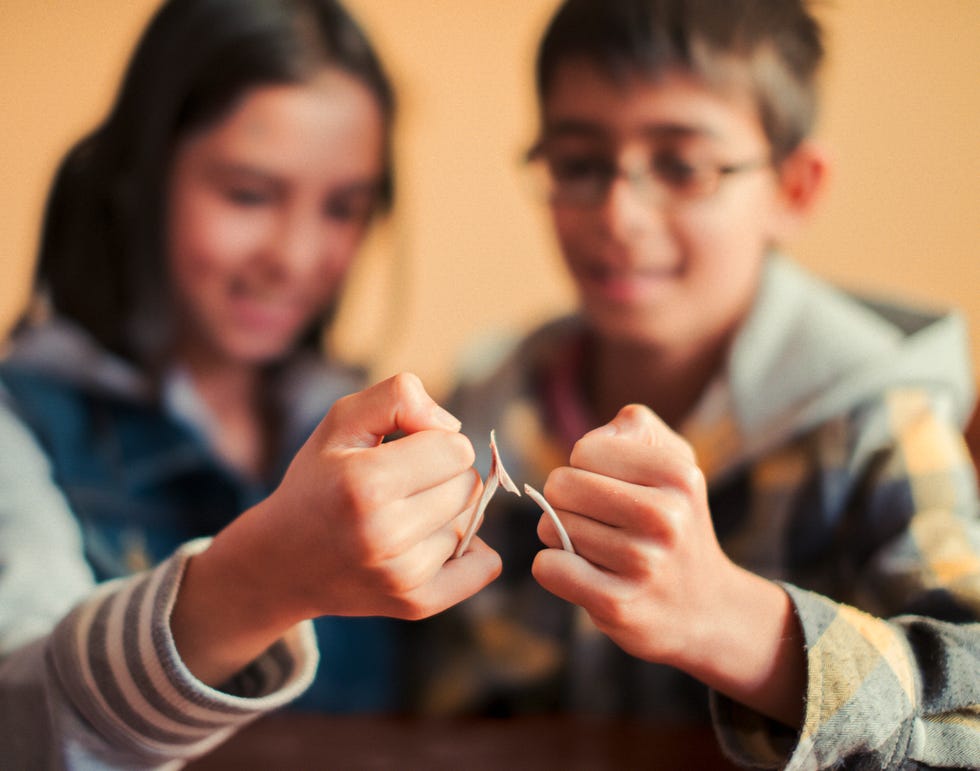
column 297, row 244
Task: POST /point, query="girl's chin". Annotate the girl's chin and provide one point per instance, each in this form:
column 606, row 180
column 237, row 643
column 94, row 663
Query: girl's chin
column 257, row 350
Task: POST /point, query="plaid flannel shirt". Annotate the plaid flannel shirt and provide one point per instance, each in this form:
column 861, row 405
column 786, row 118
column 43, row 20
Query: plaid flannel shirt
column 849, row 483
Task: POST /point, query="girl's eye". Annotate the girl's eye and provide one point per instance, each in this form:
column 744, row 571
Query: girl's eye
column 248, row 197
column 355, row 209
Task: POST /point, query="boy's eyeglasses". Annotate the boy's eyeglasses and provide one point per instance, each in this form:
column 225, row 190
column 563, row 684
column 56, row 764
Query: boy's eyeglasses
column 584, row 180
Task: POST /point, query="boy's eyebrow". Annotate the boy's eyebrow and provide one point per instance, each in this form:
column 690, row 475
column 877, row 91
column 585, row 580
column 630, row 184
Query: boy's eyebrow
column 573, row 127
column 668, row 130
column 576, row 128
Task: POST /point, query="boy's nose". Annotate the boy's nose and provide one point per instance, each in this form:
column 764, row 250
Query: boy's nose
column 630, row 209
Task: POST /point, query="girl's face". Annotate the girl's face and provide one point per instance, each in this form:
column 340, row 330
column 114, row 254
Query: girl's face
column 266, row 210
column 658, row 258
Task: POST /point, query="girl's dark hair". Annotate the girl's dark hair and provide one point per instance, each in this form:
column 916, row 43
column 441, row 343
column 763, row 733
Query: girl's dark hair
column 770, row 48
column 103, row 241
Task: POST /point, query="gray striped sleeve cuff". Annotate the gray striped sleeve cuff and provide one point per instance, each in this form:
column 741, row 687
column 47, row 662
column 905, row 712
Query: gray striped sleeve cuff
column 115, row 659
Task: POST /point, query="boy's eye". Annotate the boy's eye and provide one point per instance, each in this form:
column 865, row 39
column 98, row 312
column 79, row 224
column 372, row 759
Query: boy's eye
column 674, row 170
column 572, row 169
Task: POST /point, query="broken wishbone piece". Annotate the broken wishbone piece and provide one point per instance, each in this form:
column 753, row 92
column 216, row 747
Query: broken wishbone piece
column 538, row 498
column 498, row 477
column 497, row 468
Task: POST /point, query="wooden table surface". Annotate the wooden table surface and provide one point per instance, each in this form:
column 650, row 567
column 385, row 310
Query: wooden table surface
column 305, row 741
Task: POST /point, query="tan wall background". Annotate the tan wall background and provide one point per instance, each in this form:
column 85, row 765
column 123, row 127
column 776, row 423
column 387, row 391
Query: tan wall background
column 468, row 253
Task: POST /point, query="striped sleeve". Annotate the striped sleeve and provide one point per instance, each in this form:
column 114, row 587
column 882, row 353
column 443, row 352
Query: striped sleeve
column 896, row 682
column 114, row 662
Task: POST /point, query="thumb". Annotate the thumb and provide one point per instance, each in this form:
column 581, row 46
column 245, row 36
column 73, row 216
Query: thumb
column 638, row 423
column 399, row 403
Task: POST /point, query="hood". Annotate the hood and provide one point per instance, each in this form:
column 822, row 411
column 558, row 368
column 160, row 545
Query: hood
column 62, row 350
column 809, row 352
column 307, row 385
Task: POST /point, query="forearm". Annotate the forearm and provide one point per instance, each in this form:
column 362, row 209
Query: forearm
column 228, row 611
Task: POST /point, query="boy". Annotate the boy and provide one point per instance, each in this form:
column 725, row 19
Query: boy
column 787, row 472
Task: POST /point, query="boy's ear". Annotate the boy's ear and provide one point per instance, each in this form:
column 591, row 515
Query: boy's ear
column 802, row 178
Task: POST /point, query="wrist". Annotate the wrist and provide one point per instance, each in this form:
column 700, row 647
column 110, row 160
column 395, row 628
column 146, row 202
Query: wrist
column 750, row 647
column 227, row 611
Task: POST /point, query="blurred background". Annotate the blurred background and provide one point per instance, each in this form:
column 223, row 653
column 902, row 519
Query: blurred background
column 468, row 254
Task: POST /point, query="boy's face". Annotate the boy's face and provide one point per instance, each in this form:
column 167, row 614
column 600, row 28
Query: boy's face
column 668, row 252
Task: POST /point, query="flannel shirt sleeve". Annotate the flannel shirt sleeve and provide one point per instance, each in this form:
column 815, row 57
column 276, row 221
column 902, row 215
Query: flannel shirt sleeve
column 893, row 678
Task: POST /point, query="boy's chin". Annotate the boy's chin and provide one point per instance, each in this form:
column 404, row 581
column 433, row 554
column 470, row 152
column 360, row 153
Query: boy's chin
column 631, row 328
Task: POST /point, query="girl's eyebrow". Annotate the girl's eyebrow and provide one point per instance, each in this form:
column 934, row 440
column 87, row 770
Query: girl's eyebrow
column 219, row 169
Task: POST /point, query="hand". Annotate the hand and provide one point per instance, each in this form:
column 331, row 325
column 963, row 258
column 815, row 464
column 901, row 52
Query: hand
column 634, row 503
column 357, row 528
column 651, row 574
column 372, row 526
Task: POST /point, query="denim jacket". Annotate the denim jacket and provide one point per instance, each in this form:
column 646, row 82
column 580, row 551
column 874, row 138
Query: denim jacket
column 139, row 479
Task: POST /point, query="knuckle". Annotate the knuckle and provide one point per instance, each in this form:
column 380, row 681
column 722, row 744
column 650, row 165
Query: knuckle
column 364, row 546
column 402, row 579
column 671, row 516
column 456, row 451
column 560, row 481
column 639, row 413
column 688, row 449
column 338, row 411
column 463, row 448
column 609, row 612
column 406, row 386
column 411, row 609
column 362, row 487
column 387, row 581
column 691, row 478
column 635, row 560
column 580, row 452
column 346, row 489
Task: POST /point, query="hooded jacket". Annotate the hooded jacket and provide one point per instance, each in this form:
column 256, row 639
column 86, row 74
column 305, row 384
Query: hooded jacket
column 831, row 442
column 108, row 484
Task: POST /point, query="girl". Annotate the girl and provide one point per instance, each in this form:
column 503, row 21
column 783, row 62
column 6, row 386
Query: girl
column 193, row 250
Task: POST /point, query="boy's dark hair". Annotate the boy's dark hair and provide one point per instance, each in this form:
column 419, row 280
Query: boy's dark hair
column 102, row 260
column 771, row 49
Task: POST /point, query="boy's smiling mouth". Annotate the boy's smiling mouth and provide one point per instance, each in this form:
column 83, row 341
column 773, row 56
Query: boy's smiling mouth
column 626, row 285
